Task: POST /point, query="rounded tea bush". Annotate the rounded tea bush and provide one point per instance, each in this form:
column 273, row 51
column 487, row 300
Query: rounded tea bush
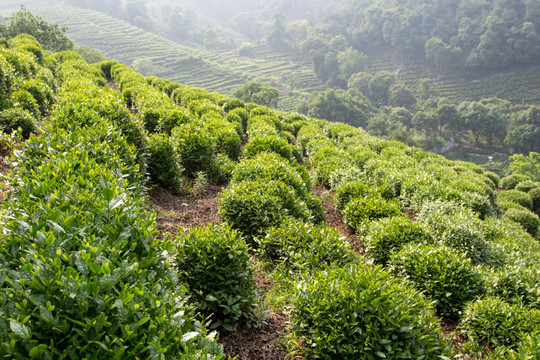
column 362, row 312
column 361, row 210
column 350, row 190
column 527, row 185
column 271, row 143
column 15, row 118
column 195, row 147
column 510, row 182
column 163, row 163
column 495, row 322
column 517, row 284
column 298, row 245
column 516, row 196
column 526, row 218
column 535, row 197
column 253, row 206
column 388, row 235
column 441, row 273
column 215, row 264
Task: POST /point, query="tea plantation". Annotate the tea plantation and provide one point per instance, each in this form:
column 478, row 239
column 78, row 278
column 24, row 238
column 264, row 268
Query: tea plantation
column 84, row 274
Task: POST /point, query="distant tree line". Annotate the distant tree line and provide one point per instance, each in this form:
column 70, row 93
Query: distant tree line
column 449, row 34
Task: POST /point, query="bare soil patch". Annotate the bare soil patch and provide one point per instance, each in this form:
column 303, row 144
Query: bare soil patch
column 185, row 211
column 335, row 219
column 262, row 343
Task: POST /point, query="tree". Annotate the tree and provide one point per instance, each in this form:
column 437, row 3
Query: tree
column 348, row 106
column 379, row 85
column 277, row 30
column 441, row 55
column 475, row 117
column 297, row 31
column 524, row 131
column 526, row 165
column 211, row 40
column 51, row 37
column 401, row 96
column 360, row 81
column 259, row 93
column 351, row 61
column 449, row 116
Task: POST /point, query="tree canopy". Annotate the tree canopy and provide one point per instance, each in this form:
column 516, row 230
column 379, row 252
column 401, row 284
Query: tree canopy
column 259, row 93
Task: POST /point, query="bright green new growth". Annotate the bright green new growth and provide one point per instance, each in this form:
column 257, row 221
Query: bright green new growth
column 441, row 273
column 360, row 311
column 215, row 264
column 298, row 246
column 516, row 196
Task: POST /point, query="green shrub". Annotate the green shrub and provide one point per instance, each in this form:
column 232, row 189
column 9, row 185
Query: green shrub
column 215, row 264
column 361, row 312
column 270, row 166
column 13, row 119
column 351, row 190
column 106, row 66
column 388, row 235
column 308, row 133
column 242, row 114
column 233, row 104
column 510, row 182
column 527, row 185
column 41, row 92
column 535, row 197
column 526, row 218
column 226, row 138
column 259, row 144
column 526, row 349
column 359, row 211
column 253, row 206
column 195, row 147
column 457, row 227
column 170, row 119
column 496, row 323
column 298, row 246
column 516, row 196
column 164, row 164
column 517, row 285
column 24, row 100
column 495, row 179
column 441, row 273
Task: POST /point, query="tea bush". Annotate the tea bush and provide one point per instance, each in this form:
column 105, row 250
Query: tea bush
column 83, row 271
column 215, row 264
column 527, row 185
column 351, row 190
column 359, row 211
column 270, row 166
column 253, row 206
column 360, row 311
column 518, row 285
column 457, row 227
column 516, row 196
column 24, row 100
column 227, row 140
column 535, row 197
column 441, row 273
column 164, row 164
column 510, row 182
column 298, row 246
column 13, row 119
column 195, row 147
column 272, row 143
column 388, row 235
column 526, row 349
column 497, row 323
column 526, row 218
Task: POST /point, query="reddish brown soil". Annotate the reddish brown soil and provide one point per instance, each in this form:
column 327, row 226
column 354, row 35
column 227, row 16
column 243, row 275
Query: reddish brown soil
column 185, row 211
column 335, row 219
column 262, row 343
column 5, row 168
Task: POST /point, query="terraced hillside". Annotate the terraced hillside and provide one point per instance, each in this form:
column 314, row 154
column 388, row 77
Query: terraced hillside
column 519, row 85
column 221, row 71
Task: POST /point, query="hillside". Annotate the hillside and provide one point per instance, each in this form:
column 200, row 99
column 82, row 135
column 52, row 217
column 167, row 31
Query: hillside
column 330, row 243
column 220, row 70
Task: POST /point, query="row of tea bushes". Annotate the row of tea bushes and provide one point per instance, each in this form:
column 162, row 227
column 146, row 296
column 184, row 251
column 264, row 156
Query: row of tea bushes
column 435, row 223
column 520, row 202
column 83, row 274
column 330, row 290
column 200, row 136
column 26, row 88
